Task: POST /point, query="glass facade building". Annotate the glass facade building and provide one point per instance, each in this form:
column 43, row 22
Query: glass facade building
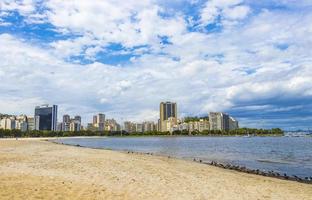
column 46, row 118
column 168, row 110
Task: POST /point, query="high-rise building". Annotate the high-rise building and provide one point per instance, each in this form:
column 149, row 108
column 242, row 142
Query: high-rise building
column 100, row 118
column 21, row 123
column 203, row 125
column 111, row 125
column 8, row 123
column 149, row 126
column 94, row 122
column 65, row 126
column 138, row 127
column 46, row 117
column 30, row 123
column 66, row 123
column 170, row 124
column 66, row 118
column 2, row 123
column 215, row 121
column 100, row 121
column 74, row 125
column 219, row 121
column 129, row 127
column 167, row 110
column 233, row 124
column 77, row 118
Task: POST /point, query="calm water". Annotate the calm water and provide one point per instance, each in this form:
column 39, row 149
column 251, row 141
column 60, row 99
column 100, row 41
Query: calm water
column 291, row 155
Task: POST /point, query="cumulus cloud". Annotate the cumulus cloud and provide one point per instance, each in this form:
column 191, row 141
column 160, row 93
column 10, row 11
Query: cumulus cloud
column 254, row 69
column 131, row 23
column 223, row 11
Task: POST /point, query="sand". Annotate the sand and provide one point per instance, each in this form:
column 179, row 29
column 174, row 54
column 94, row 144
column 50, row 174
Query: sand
column 34, row 169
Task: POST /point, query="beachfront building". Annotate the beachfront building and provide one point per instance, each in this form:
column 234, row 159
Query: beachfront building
column 111, row 125
column 215, row 119
column 46, row 118
column 222, row 121
column 233, row 124
column 74, row 125
column 168, row 110
column 8, row 123
column 203, row 125
column 70, row 124
column 66, row 123
column 66, row 118
column 129, row 127
column 21, row 123
column 78, row 118
column 30, row 123
column 149, row 126
column 138, row 127
column 99, row 121
column 183, row 126
column 171, row 124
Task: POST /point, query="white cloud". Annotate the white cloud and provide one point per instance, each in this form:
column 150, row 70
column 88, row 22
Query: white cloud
column 236, row 13
column 130, row 23
column 265, row 59
column 227, row 10
column 24, row 7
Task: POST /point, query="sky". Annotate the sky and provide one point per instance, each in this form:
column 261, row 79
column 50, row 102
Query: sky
column 251, row 59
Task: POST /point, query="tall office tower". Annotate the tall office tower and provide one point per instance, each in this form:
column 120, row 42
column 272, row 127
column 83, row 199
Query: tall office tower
column 167, row 110
column 66, row 118
column 219, row 121
column 46, row 117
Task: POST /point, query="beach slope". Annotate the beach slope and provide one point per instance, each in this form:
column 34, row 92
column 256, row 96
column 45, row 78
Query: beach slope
column 34, row 169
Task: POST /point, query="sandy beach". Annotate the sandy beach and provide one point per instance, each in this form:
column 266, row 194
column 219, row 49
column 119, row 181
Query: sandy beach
column 36, row 169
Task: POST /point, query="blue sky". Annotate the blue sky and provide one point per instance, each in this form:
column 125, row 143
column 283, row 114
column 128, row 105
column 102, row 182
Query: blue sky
column 252, row 59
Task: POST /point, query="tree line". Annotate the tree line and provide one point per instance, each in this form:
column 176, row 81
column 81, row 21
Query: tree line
column 240, row 132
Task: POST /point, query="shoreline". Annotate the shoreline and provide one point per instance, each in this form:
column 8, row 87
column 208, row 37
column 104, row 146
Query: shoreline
column 237, row 168
column 45, row 170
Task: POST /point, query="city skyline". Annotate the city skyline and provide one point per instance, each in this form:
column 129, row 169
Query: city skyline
column 45, row 119
column 248, row 58
column 66, row 117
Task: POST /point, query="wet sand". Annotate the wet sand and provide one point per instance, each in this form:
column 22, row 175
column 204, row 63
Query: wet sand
column 35, row 169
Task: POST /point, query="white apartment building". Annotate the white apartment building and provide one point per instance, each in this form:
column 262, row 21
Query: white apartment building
column 8, row 123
